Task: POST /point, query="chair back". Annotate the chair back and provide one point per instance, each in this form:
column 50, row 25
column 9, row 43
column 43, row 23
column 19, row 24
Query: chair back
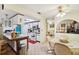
column 61, row 49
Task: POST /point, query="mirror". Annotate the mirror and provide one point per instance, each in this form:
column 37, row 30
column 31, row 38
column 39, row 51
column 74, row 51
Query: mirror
column 68, row 26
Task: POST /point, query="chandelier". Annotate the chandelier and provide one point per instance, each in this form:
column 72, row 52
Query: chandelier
column 61, row 12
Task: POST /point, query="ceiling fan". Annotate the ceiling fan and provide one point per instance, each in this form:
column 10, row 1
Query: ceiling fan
column 62, row 10
column 57, row 11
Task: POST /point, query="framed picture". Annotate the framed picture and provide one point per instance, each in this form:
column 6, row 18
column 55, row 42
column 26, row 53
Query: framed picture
column 9, row 24
column 51, row 25
column 34, row 27
column 30, row 30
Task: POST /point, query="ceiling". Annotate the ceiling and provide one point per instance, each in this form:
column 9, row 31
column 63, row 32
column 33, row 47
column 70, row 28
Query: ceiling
column 7, row 12
column 32, row 10
column 50, row 10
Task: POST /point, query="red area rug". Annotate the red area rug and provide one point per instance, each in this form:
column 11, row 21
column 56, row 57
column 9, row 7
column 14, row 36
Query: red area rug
column 32, row 41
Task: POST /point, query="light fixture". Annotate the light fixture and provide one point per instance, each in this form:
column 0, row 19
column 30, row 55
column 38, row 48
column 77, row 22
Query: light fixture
column 61, row 12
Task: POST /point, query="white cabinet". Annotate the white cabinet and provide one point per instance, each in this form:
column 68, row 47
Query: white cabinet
column 18, row 19
column 14, row 20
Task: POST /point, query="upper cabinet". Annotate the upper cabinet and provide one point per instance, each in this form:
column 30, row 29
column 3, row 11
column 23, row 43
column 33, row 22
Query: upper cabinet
column 18, row 19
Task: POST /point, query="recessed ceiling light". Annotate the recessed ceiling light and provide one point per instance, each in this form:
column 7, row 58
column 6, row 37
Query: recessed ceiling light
column 38, row 12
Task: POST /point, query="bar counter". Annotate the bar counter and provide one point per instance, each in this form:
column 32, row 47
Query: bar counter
column 15, row 43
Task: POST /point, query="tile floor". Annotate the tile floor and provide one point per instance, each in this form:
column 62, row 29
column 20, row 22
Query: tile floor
column 37, row 49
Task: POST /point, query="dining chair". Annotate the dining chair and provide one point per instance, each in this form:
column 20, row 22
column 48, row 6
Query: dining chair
column 61, row 49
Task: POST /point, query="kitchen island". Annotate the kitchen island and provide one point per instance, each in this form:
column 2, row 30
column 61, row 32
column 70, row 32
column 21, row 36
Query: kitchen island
column 15, row 44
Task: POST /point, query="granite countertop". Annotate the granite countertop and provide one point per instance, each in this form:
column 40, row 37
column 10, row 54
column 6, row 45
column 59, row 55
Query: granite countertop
column 8, row 35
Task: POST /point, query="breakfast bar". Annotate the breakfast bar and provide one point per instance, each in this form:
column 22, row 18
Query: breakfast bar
column 15, row 43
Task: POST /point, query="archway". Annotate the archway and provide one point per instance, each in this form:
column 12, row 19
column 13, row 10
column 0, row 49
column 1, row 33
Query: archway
column 68, row 26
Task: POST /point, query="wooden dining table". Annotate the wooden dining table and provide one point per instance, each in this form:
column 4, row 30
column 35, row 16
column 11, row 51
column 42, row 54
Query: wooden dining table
column 15, row 43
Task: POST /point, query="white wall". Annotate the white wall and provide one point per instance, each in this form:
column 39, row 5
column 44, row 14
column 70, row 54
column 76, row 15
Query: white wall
column 43, row 29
